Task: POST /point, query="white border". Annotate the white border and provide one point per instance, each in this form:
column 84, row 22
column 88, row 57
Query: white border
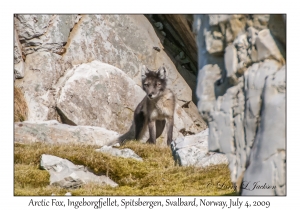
column 8, row 201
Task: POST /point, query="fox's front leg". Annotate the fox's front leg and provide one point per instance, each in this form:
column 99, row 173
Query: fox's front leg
column 170, row 123
column 152, row 132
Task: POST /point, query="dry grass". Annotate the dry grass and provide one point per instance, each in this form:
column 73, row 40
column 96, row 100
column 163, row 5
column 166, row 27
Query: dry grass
column 20, row 106
column 156, row 175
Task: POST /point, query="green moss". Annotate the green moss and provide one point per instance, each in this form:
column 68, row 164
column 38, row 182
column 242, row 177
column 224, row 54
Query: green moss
column 156, row 175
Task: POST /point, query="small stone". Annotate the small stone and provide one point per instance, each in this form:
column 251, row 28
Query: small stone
column 125, row 153
column 157, row 49
column 230, row 59
column 181, row 55
column 159, row 26
column 217, row 35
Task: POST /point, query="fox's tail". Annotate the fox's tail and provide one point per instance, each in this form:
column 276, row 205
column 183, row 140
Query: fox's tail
column 129, row 135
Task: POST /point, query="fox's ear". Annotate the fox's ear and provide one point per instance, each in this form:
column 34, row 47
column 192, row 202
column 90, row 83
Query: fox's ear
column 162, row 72
column 144, row 71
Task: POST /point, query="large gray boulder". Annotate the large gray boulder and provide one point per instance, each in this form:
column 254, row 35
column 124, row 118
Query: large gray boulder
column 98, row 94
column 53, row 132
column 241, row 91
column 65, row 174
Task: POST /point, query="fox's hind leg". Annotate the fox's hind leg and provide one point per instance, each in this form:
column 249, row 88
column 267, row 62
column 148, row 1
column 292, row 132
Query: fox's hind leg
column 170, row 123
column 160, row 125
column 139, row 120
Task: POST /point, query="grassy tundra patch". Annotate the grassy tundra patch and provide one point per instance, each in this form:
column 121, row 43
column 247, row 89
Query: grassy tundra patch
column 156, row 175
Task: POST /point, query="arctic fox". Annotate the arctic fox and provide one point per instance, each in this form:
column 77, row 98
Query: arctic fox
column 155, row 111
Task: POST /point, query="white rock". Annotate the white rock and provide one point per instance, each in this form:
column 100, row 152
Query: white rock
column 193, row 151
column 54, row 132
column 19, row 66
column 266, row 46
column 125, row 153
column 65, row 174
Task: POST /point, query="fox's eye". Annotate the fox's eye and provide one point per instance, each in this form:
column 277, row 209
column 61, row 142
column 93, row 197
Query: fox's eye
column 158, row 84
column 146, row 85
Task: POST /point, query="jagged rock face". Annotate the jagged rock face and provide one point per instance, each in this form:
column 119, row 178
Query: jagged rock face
column 18, row 59
column 44, row 33
column 241, row 92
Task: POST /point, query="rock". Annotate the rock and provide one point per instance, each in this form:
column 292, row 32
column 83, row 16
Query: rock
column 260, row 21
column 193, row 151
column 231, row 61
column 125, row 153
column 18, row 60
column 68, row 194
column 242, row 118
column 254, row 84
column 54, row 132
column 221, row 137
column 277, row 26
column 216, row 19
column 42, row 70
column 159, row 26
column 237, row 25
column 40, row 33
column 207, row 77
column 252, row 35
column 65, row 174
column 98, row 94
column 266, row 47
column 213, row 45
column 192, row 111
column 267, row 162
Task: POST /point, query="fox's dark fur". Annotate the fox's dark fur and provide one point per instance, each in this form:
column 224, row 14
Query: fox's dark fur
column 155, row 111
